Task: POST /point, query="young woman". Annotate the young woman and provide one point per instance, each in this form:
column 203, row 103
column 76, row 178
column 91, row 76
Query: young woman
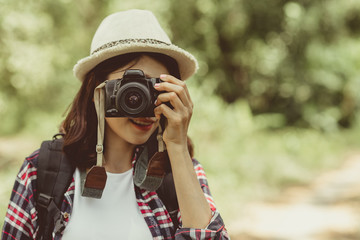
column 130, row 40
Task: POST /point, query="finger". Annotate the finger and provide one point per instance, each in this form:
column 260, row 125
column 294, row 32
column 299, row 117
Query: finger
column 176, row 115
column 166, row 111
column 171, row 97
column 174, row 80
column 171, row 79
column 180, row 91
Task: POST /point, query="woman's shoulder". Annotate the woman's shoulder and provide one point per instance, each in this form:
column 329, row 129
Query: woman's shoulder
column 33, row 158
column 28, row 170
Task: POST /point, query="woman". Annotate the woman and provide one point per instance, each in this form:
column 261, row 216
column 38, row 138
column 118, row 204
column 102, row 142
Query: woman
column 130, row 40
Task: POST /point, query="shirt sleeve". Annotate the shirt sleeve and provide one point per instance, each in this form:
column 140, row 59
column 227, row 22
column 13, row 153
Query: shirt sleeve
column 216, row 229
column 21, row 215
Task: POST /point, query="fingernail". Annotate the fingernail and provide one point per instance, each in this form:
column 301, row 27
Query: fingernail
column 155, row 102
column 163, row 76
column 157, row 85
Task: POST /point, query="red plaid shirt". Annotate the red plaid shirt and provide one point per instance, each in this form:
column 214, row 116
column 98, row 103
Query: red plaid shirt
column 21, row 221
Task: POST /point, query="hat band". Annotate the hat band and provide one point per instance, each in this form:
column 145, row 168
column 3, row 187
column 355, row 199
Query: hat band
column 129, row 41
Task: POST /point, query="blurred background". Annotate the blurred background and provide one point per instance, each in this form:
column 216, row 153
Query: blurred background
column 276, row 121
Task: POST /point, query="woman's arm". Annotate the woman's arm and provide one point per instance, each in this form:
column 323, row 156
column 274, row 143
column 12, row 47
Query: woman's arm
column 21, row 215
column 216, row 228
column 195, row 210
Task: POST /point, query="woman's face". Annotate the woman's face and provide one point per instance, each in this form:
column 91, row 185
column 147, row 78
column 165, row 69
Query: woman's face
column 134, row 131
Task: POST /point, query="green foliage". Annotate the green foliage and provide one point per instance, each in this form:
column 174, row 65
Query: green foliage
column 297, row 60
column 40, row 42
column 229, row 138
column 247, row 161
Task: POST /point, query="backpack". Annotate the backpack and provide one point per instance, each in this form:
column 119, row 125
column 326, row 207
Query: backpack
column 54, row 176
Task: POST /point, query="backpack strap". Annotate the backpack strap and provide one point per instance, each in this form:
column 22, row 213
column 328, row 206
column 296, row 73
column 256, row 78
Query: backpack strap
column 54, row 176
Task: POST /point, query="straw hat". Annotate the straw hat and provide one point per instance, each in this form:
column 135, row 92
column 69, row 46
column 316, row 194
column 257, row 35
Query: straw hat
column 133, row 31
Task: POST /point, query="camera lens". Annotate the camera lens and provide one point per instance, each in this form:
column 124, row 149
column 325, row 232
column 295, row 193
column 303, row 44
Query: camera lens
column 133, row 99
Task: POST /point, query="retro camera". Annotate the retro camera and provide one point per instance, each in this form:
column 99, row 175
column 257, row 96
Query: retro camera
column 133, row 95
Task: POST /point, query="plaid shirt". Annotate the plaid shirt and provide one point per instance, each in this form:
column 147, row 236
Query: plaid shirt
column 21, row 221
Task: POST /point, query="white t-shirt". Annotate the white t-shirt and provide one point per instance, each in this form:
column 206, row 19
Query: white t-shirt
column 115, row 216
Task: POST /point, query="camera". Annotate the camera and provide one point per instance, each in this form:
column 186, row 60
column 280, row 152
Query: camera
column 133, row 95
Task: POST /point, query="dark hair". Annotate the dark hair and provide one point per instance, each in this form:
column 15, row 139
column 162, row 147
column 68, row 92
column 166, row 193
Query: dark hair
column 80, row 124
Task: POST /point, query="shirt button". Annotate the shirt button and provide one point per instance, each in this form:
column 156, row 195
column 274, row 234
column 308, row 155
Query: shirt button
column 66, row 215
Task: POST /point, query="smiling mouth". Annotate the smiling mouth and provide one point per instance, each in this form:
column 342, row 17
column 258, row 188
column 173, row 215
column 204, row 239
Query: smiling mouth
column 142, row 124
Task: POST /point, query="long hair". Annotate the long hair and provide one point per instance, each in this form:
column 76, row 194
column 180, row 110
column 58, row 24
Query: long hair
column 80, row 124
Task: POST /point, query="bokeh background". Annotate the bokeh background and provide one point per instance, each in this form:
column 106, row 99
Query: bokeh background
column 276, row 101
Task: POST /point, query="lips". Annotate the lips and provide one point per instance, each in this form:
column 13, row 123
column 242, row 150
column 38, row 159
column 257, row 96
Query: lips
column 143, row 124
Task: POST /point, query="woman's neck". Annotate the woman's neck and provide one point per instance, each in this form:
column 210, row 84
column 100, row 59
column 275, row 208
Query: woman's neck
column 118, row 153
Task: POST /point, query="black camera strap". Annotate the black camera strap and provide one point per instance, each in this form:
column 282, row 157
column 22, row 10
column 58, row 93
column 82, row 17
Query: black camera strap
column 152, row 164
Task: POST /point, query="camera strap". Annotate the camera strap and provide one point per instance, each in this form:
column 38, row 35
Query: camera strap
column 151, row 167
column 93, row 180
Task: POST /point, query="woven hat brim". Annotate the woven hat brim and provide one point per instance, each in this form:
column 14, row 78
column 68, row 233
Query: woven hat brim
column 186, row 61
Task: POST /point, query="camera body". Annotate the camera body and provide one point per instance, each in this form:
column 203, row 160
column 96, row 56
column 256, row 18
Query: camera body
column 133, row 95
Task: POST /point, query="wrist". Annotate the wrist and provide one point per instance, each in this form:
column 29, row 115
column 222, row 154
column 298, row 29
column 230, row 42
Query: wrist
column 178, row 151
column 177, row 148
column 179, row 157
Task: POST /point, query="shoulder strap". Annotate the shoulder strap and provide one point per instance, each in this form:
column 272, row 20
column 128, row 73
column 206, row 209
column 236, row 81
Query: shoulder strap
column 167, row 194
column 54, row 176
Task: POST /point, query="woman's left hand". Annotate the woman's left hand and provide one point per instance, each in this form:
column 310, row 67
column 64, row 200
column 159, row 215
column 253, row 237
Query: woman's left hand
column 178, row 118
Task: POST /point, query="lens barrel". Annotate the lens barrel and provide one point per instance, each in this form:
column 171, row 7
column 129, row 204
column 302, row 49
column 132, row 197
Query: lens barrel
column 133, row 99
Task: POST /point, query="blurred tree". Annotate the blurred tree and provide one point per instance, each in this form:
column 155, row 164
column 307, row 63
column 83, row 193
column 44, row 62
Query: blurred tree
column 39, row 44
column 297, row 59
